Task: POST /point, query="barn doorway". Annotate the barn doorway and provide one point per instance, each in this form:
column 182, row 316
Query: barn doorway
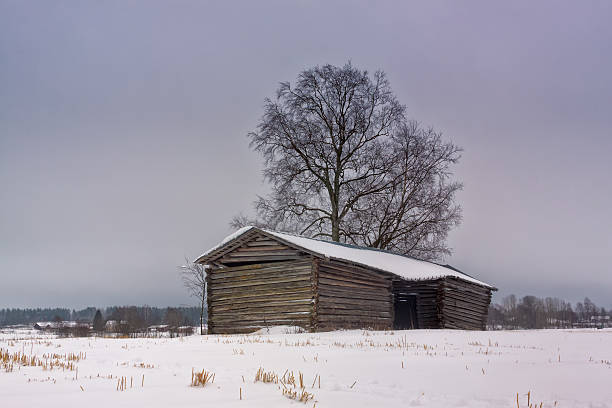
column 405, row 312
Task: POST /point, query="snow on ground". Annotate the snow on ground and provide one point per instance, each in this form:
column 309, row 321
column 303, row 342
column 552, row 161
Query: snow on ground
column 425, row 368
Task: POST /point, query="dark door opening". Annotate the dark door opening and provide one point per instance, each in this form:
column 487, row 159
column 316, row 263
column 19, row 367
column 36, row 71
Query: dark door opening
column 405, row 312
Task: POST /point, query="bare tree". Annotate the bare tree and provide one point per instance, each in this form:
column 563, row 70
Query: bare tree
column 531, row 312
column 416, row 210
column 194, row 278
column 344, row 165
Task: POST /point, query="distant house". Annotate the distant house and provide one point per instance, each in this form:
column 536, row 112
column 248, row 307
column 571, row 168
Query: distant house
column 115, row 326
column 185, row 330
column 47, row 325
column 258, row 278
column 111, row 326
column 66, row 327
column 158, row 328
column 597, row 321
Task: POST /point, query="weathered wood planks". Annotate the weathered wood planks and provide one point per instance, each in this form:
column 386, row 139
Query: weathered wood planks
column 245, row 298
column 351, row 296
column 258, row 248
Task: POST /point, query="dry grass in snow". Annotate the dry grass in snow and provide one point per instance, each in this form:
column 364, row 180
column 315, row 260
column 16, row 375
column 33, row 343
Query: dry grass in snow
column 427, row 368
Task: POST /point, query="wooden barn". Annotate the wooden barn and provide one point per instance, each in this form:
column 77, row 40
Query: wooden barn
column 260, row 278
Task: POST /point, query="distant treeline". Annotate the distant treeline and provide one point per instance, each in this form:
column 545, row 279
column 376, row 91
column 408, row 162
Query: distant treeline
column 531, row 312
column 137, row 316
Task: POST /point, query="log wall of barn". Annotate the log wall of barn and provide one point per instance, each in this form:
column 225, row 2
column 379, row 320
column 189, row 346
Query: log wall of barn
column 245, row 298
column 351, row 297
column 464, row 305
column 257, row 249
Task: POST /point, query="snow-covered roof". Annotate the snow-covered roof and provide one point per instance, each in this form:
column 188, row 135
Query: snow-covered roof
column 45, row 325
column 400, row 265
column 60, row 325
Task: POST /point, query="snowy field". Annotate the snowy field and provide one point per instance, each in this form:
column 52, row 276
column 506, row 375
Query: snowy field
column 558, row 368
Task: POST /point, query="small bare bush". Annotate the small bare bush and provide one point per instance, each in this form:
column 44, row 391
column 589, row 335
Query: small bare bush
column 200, row 379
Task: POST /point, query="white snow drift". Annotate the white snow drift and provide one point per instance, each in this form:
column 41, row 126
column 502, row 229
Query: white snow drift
column 437, row 368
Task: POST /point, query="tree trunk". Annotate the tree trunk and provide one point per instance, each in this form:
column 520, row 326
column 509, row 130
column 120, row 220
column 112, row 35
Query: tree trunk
column 335, row 230
column 202, row 313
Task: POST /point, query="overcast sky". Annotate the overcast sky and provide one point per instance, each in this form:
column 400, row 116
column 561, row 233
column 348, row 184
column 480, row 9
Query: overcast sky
column 123, row 129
